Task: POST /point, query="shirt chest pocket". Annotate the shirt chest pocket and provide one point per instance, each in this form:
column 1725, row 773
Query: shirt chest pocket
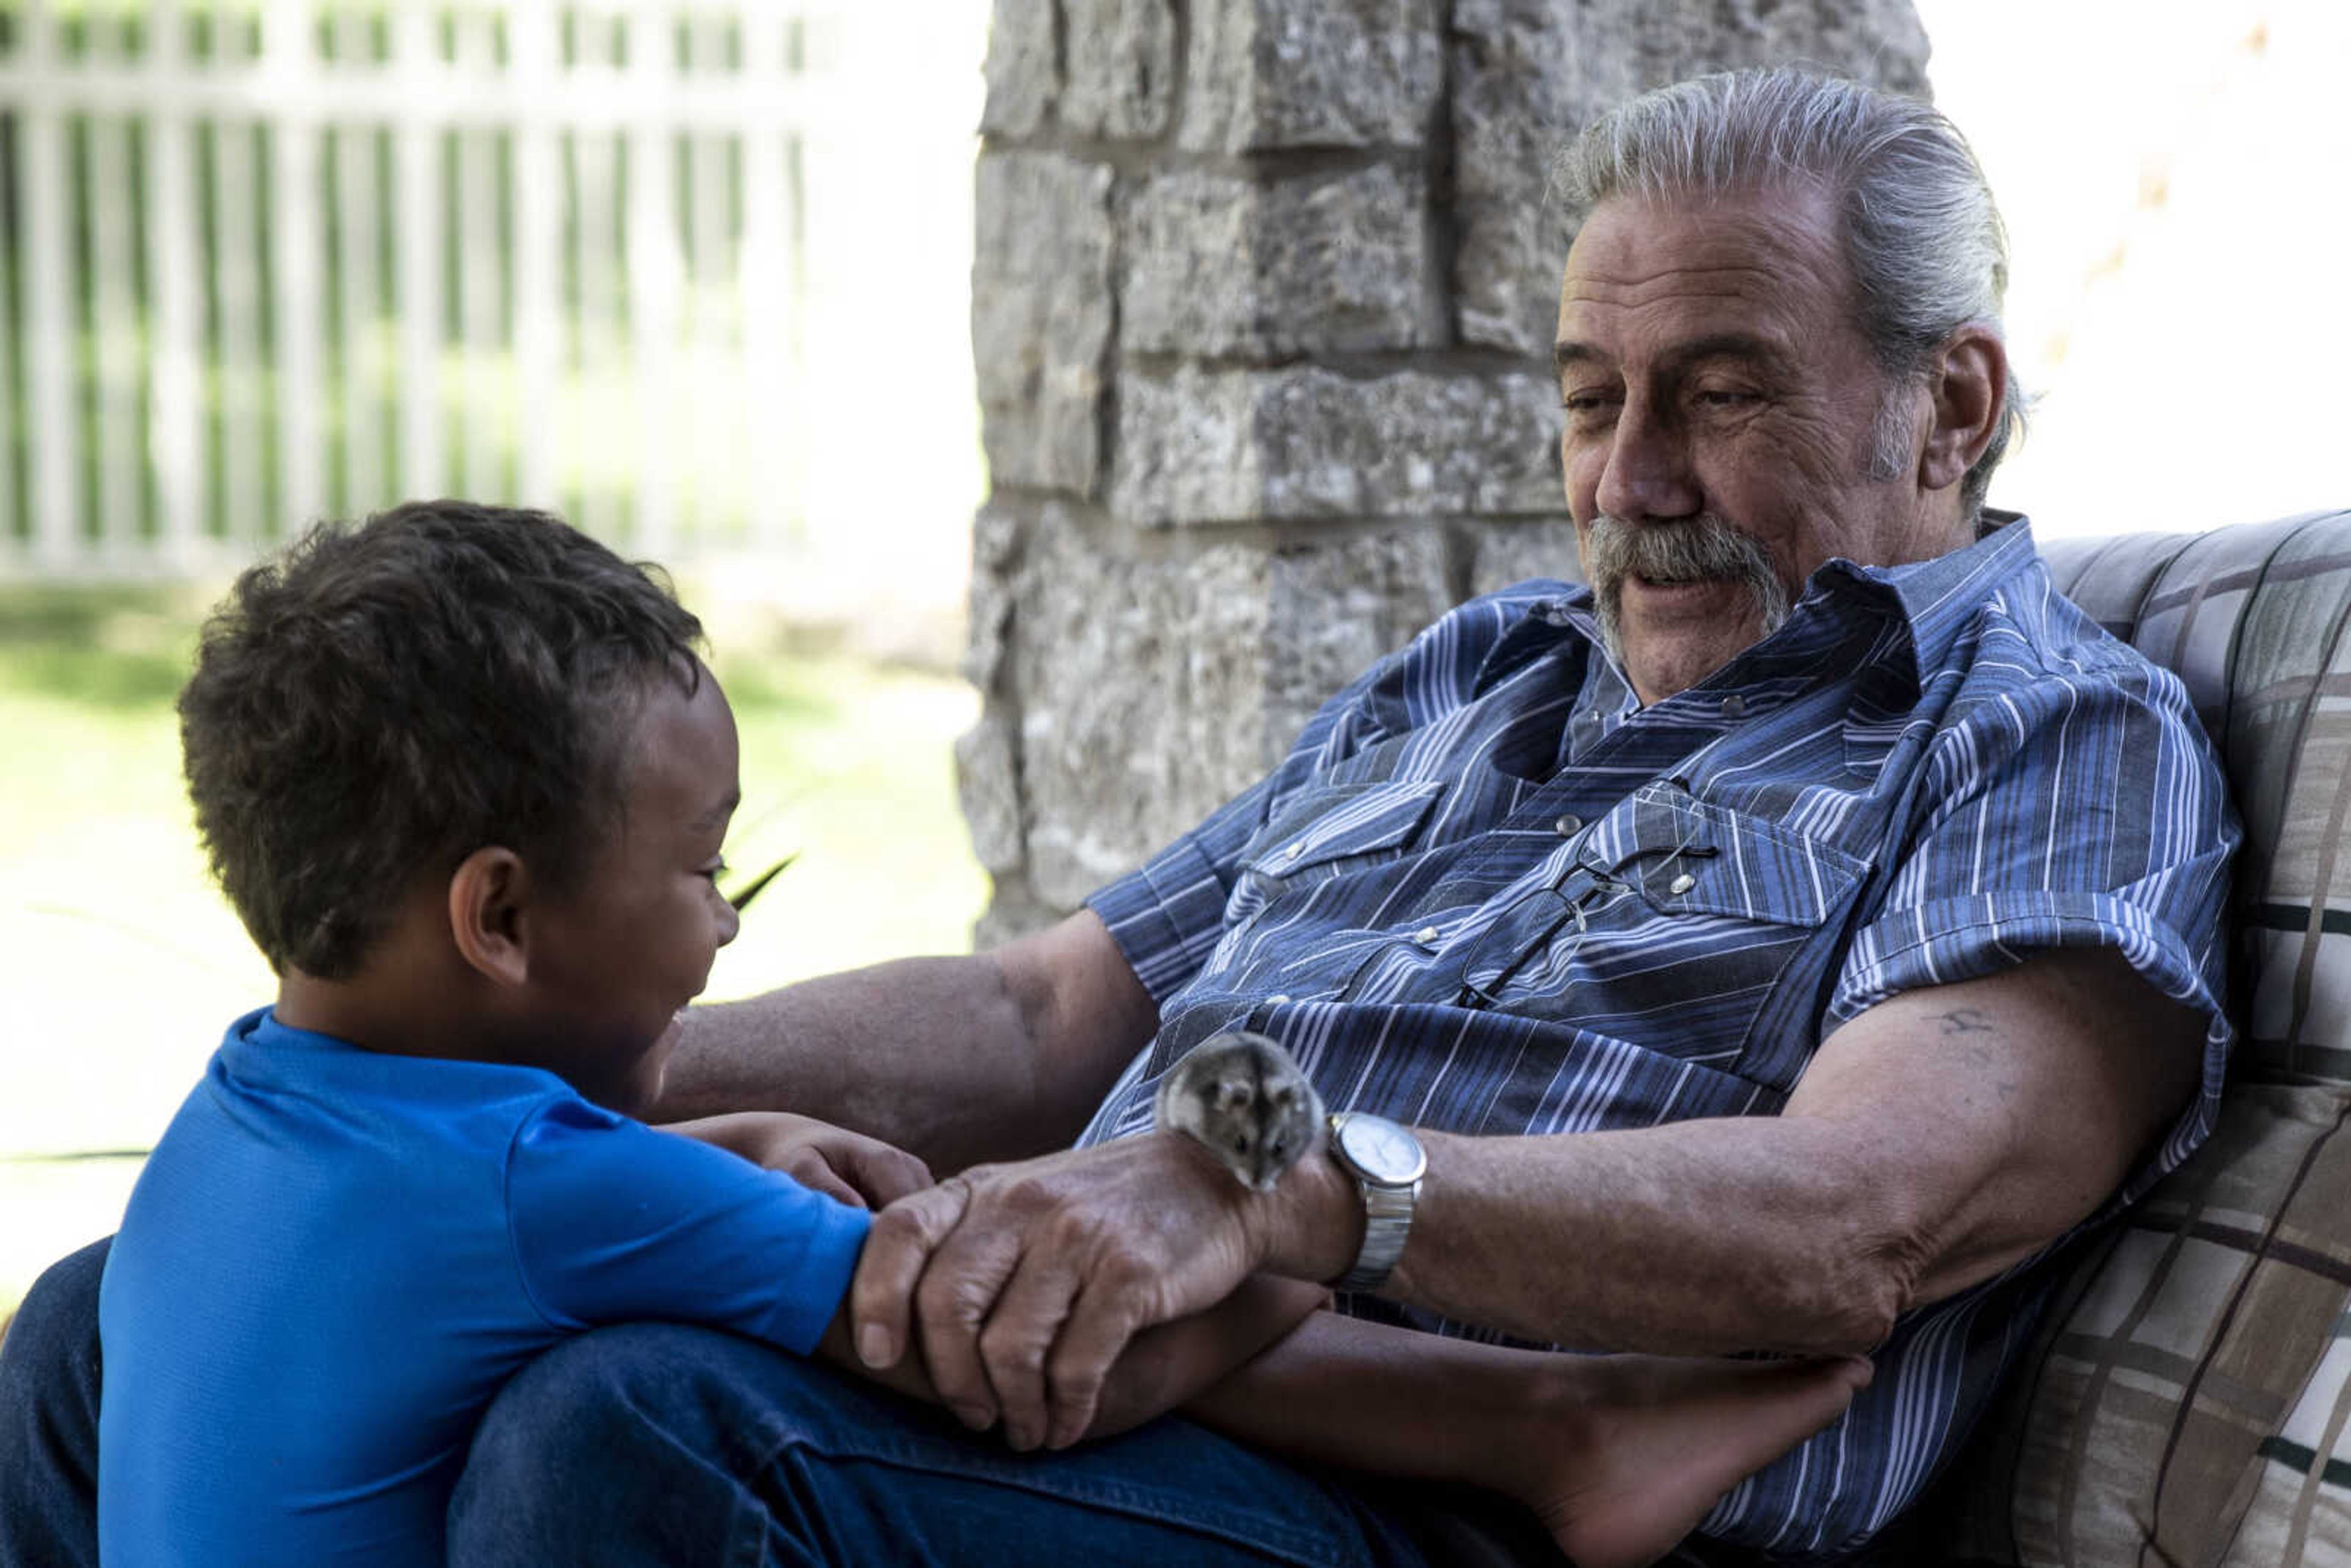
column 1684, row 927
column 1327, row 833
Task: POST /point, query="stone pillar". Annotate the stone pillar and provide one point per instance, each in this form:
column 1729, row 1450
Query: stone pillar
column 1261, row 304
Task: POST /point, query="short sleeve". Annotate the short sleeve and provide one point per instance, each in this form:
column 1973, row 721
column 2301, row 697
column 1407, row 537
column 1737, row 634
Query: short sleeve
column 2080, row 809
column 1168, row 916
column 614, row 1221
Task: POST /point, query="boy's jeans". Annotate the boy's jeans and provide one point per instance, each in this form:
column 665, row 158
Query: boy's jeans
column 654, row 1443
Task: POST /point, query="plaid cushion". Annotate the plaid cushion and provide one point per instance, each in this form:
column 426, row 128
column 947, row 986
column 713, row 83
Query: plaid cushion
column 2187, row 1403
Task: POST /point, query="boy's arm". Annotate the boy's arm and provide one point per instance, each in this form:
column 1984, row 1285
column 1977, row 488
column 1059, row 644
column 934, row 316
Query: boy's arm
column 862, row 1172
column 994, row 1056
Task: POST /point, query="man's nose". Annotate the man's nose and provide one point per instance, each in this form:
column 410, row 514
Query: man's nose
column 730, row 924
column 1646, row 471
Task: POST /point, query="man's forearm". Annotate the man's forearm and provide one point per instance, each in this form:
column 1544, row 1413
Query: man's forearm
column 955, row 1059
column 1695, row 1239
column 926, row 1053
column 1701, row 1237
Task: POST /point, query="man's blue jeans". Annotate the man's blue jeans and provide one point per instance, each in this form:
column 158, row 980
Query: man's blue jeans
column 655, row 1443
column 49, row 1420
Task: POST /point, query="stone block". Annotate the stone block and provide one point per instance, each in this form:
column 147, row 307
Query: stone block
column 1409, row 444
column 1220, row 265
column 1528, row 73
column 1154, row 690
column 1023, row 71
column 1041, row 316
column 987, row 781
column 1302, row 443
column 1187, row 448
column 1268, row 74
column 1503, row 553
column 1121, row 65
column 1141, row 703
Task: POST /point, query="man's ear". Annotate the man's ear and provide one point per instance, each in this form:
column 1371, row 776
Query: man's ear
column 1964, row 386
column 487, row 894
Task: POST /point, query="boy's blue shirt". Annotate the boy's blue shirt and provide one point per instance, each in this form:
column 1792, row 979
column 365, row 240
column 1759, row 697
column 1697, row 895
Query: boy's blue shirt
column 334, row 1258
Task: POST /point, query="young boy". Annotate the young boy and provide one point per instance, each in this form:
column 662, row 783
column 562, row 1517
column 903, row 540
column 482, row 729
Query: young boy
column 466, row 782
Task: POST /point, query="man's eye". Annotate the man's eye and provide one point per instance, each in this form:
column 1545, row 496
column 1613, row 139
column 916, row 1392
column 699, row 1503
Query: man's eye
column 1725, row 397
column 716, row 868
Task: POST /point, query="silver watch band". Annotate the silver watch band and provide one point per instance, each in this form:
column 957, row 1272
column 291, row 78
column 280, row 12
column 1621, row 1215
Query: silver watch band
column 1387, row 1221
column 1390, row 1186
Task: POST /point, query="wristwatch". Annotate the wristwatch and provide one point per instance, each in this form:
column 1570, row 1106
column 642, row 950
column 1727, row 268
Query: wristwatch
column 1387, row 1163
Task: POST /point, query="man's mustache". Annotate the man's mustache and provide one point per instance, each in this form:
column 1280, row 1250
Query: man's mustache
column 1693, row 550
column 1703, row 548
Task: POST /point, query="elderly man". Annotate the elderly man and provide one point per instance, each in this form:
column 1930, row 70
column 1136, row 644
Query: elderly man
column 1782, row 945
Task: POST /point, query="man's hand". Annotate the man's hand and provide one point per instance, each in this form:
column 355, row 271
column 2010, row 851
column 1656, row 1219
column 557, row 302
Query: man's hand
column 860, row 1171
column 1026, row 1281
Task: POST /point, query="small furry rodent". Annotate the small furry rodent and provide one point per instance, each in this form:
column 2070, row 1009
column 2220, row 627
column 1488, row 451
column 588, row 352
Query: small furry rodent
column 1242, row 1096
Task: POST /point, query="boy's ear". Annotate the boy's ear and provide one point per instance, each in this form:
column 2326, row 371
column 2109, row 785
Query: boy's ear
column 488, row 893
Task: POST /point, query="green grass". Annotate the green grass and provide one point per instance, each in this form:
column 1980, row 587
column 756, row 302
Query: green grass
column 123, row 962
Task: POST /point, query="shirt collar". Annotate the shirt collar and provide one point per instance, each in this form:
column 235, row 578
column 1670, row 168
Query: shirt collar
column 1936, row 599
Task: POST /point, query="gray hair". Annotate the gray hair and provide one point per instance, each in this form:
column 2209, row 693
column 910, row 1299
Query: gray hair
column 1921, row 237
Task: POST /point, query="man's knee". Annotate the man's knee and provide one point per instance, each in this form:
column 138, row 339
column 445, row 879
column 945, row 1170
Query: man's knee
column 62, row 1306
column 49, row 1362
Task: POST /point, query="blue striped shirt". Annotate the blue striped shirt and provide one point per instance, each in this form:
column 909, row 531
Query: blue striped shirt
column 1487, row 891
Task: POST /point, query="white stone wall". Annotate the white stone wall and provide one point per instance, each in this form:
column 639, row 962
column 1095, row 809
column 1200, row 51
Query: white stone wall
column 1262, row 303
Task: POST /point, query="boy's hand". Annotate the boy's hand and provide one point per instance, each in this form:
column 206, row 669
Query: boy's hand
column 858, row 1170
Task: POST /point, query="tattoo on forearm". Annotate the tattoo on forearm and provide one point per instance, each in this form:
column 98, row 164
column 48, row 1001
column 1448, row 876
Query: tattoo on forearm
column 1967, row 1020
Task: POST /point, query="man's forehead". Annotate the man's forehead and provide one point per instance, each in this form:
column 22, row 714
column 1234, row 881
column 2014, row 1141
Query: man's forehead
column 1795, row 217
column 1757, row 263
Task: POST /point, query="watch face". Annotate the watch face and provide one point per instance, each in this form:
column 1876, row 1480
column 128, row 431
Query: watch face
column 1385, row 1151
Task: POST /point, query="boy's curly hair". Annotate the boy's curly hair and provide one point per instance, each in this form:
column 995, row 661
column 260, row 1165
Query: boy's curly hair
column 384, row 698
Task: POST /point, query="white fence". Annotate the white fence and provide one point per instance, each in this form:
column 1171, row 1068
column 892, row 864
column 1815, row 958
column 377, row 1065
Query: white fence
column 266, row 260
